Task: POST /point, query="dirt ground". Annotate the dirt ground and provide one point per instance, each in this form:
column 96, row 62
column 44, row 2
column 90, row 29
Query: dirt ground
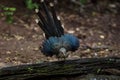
column 99, row 36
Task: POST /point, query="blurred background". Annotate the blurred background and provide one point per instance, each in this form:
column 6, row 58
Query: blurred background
column 95, row 22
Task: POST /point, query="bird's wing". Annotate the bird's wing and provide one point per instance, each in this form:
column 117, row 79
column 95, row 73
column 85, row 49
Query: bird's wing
column 49, row 22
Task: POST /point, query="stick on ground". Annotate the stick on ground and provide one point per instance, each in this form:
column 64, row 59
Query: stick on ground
column 63, row 68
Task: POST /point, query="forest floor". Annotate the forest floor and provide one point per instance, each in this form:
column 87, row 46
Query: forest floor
column 99, row 35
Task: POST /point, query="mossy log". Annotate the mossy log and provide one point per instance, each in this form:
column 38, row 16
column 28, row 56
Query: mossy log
column 110, row 65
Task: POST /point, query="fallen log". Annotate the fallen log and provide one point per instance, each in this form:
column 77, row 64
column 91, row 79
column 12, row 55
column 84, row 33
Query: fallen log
column 108, row 65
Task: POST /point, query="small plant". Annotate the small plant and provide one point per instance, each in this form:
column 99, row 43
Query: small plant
column 30, row 5
column 8, row 12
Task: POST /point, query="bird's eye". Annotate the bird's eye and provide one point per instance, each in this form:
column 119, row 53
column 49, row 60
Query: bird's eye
column 56, row 46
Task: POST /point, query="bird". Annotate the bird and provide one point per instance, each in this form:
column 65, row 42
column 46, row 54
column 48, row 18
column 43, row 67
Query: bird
column 57, row 42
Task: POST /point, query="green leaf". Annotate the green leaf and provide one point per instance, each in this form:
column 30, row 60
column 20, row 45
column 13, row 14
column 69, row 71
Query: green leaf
column 9, row 19
column 30, row 5
column 8, row 13
column 12, row 9
column 5, row 8
column 83, row 1
column 35, row 5
column 9, row 9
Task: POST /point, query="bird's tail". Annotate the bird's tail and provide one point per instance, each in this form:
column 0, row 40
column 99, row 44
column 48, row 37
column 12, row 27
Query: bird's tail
column 48, row 21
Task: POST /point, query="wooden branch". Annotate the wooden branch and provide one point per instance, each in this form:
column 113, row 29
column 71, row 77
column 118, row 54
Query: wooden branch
column 62, row 68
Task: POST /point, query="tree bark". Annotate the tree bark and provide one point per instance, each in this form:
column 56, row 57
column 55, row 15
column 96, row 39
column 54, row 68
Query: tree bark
column 109, row 65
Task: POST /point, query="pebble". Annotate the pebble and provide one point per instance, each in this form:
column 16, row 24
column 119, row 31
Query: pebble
column 95, row 54
column 77, row 29
column 18, row 37
column 102, row 36
column 71, row 31
column 8, row 52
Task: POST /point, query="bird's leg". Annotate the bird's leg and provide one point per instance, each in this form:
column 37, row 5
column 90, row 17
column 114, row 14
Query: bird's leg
column 58, row 57
column 64, row 58
column 61, row 59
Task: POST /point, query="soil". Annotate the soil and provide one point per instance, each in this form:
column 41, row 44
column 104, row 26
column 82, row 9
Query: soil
column 99, row 35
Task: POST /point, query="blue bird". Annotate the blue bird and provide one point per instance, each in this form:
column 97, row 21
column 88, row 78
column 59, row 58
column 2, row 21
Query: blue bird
column 57, row 42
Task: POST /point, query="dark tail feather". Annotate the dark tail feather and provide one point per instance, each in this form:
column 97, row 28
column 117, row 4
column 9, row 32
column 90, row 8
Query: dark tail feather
column 43, row 24
column 49, row 22
column 56, row 20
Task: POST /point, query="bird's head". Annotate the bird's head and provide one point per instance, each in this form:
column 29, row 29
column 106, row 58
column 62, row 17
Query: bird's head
column 62, row 53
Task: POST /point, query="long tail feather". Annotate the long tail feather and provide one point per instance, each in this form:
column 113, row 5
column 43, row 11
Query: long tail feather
column 49, row 22
column 56, row 20
column 43, row 24
column 50, row 19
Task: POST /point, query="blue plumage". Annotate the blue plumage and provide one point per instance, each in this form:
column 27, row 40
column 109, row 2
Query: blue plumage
column 73, row 41
column 56, row 43
column 52, row 45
